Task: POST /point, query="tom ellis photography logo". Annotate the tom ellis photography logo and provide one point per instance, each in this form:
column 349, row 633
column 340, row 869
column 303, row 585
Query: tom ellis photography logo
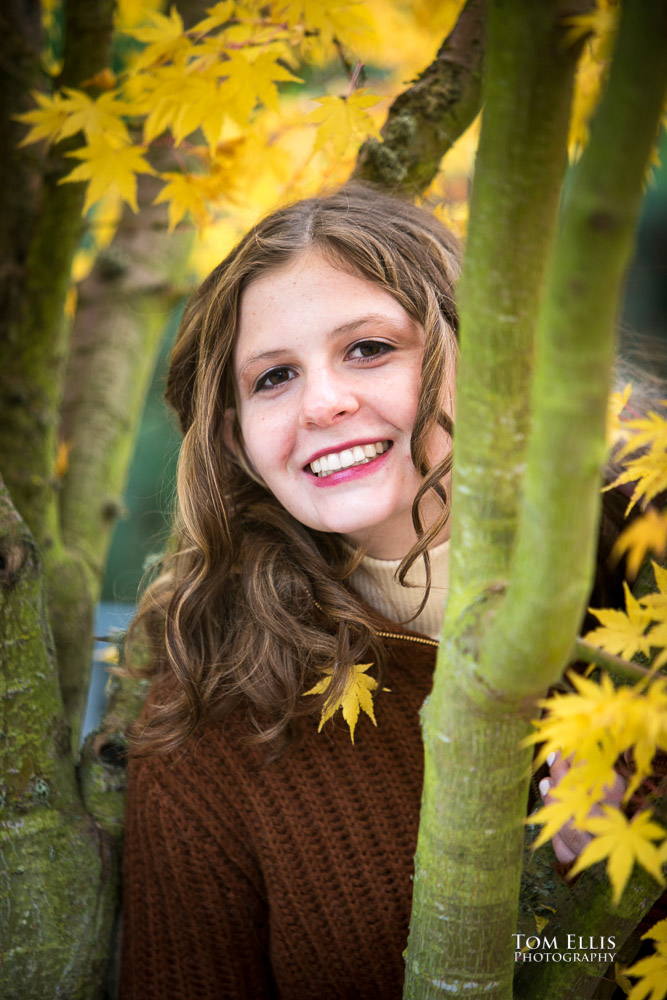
column 564, row 948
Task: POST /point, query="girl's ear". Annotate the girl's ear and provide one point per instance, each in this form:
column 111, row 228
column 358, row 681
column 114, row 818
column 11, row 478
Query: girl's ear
column 228, row 430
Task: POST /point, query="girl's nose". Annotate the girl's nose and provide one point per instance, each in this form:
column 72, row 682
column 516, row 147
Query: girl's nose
column 327, row 398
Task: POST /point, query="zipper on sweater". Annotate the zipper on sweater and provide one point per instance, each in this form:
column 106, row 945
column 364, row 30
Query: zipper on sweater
column 409, row 638
column 387, row 635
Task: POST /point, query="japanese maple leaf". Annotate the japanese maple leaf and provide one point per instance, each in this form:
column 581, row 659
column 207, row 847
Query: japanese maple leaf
column 108, row 168
column 659, row 599
column 647, row 432
column 99, row 116
column 622, row 632
column 46, row 121
column 183, row 193
column 621, row 841
column 251, row 81
column 648, row 532
column 343, row 120
column 357, row 695
column 653, row 968
column 648, row 472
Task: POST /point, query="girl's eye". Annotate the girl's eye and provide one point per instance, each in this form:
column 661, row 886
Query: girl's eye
column 273, row 378
column 369, row 349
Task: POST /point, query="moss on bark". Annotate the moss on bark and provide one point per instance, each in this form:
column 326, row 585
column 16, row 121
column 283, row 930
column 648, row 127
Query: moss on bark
column 59, row 870
column 427, row 118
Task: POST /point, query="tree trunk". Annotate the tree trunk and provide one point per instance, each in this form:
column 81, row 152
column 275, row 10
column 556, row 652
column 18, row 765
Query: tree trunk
column 59, row 868
column 525, row 498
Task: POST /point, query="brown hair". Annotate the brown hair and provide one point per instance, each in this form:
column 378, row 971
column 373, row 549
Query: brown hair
column 250, row 604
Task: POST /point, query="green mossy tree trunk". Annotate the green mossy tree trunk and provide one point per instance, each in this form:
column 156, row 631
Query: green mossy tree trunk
column 59, row 868
column 538, row 306
column 84, row 383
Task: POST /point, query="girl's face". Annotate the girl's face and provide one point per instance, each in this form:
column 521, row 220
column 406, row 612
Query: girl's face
column 327, row 367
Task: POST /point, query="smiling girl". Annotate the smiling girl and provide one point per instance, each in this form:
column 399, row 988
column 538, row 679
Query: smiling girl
column 267, row 853
column 313, row 379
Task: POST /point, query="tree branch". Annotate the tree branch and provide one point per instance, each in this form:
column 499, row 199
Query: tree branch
column 619, row 668
column 125, row 306
column 425, row 121
column 553, row 559
column 20, row 38
column 520, row 166
column 32, row 358
column 124, row 309
column 466, row 888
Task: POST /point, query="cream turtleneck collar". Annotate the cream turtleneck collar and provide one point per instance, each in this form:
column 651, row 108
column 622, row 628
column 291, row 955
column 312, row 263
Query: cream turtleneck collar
column 375, row 581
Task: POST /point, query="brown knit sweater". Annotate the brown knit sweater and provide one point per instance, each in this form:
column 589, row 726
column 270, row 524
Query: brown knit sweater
column 292, row 879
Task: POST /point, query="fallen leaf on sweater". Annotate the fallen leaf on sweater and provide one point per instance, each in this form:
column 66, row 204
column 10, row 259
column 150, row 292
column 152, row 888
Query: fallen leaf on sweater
column 357, row 695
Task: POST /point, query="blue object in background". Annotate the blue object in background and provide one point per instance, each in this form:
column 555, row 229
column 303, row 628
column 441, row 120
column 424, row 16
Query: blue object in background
column 109, row 618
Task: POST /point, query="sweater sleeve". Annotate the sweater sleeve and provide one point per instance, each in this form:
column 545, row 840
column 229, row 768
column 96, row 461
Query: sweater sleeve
column 195, row 921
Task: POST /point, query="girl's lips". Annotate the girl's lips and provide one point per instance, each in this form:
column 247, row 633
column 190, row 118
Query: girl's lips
column 352, row 472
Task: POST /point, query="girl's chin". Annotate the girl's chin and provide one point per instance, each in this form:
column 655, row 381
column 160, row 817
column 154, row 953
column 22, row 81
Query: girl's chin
column 383, row 539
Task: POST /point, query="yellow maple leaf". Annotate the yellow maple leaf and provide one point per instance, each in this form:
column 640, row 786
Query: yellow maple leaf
column 99, row 116
column 647, row 726
column 658, row 637
column 164, row 37
column 653, row 968
column 644, row 534
column 647, row 432
column 320, row 21
column 622, row 632
column 130, row 13
column 184, row 193
column 218, row 15
column 46, row 121
column 649, row 472
column 249, row 80
column 183, row 101
column 621, row 841
column 657, row 600
column 343, row 120
column 357, row 695
column 108, row 169
column 594, row 727
column 570, row 804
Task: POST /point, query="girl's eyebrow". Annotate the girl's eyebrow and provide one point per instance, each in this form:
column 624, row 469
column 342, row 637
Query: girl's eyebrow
column 344, row 328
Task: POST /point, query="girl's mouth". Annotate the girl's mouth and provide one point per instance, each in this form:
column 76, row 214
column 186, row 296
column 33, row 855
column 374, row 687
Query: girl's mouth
column 348, row 458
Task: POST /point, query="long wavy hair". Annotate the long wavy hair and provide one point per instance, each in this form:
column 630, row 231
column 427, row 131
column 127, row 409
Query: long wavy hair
column 250, row 605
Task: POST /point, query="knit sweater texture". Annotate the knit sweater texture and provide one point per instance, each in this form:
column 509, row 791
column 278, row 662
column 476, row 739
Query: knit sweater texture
column 291, row 879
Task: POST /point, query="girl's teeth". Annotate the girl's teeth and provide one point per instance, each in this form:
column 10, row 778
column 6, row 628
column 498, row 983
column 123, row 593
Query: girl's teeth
column 358, row 455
